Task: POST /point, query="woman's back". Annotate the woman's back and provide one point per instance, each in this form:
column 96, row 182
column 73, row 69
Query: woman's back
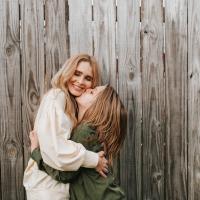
column 89, row 184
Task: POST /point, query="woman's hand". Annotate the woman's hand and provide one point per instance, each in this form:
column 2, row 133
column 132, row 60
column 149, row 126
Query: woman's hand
column 34, row 140
column 102, row 166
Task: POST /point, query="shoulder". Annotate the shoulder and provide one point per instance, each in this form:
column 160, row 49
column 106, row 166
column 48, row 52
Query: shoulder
column 86, row 127
column 57, row 97
column 84, row 130
column 56, row 93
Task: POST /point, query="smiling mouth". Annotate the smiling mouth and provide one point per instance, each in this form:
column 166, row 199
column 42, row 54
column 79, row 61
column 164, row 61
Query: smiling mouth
column 77, row 87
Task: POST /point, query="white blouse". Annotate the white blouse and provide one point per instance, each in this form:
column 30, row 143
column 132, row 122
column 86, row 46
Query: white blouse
column 54, row 127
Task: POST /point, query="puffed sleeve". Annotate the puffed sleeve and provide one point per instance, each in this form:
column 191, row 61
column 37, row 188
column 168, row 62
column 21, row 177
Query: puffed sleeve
column 54, row 128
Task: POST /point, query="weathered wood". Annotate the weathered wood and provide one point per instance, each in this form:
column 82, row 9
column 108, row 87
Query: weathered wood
column 57, row 47
column 160, row 91
column 104, row 39
column 193, row 100
column 128, row 53
column 33, row 66
column 153, row 95
column 11, row 155
column 80, row 26
column 176, row 99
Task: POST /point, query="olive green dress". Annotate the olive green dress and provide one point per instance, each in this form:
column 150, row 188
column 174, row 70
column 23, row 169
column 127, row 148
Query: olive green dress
column 85, row 184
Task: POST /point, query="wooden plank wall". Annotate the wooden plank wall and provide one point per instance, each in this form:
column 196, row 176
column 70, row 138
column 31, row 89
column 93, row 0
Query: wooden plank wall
column 193, row 77
column 147, row 50
column 11, row 159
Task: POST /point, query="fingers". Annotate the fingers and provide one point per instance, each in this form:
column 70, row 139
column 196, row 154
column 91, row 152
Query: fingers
column 102, row 167
column 102, row 174
column 34, row 140
column 105, row 170
column 101, row 154
column 32, row 135
column 104, row 162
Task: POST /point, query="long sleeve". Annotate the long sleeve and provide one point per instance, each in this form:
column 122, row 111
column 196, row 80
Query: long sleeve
column 61, row 176
column 54, row 129
column 84, row 135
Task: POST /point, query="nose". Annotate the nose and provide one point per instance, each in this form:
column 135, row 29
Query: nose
column 80, row 80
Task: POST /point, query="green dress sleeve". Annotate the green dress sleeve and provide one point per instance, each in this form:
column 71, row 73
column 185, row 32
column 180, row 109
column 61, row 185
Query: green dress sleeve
column 61, row 176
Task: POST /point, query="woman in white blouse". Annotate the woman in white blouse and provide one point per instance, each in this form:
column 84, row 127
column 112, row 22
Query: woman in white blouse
column 56, row 117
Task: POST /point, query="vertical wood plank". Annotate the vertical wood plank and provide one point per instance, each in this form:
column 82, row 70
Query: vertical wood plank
column 128, row 53
column 80, row 26
column 56, row 32
column 33, row 67
column 176, row 99
column 104, row 39
column 193, row 100
column 11, row 155
column 153, row 94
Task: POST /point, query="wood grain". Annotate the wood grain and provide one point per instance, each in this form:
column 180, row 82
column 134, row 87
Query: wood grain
column 80, row 26
column 193, row 100
column 176, row 99
column 33, row 65
column 11, row 138
column 104, row 39
column 128, row 54
column 153, row 99
column 149, row 54
column 56, row 34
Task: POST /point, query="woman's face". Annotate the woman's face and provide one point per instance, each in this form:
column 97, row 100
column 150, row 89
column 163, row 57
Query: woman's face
column 88, row 97
column 81, row 80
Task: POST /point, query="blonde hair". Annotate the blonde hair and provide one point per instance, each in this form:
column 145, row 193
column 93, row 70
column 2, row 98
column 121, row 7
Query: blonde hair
column 109, row 117
column 62, row 77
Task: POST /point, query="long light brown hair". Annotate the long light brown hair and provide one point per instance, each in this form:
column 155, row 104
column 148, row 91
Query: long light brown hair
column 62, row 77
column 109, row 117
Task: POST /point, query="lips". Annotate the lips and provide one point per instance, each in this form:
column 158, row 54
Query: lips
column 76, row 87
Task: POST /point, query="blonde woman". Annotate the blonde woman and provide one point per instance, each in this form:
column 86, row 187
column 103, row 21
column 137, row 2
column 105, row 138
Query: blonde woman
column 54, row 122
column 102, row 120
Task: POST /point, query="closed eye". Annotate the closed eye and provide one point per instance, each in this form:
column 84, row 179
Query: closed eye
column 88, row 78
column 77, row 73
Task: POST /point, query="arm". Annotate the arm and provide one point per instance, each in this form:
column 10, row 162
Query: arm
column 54, row 128
column 61, row 176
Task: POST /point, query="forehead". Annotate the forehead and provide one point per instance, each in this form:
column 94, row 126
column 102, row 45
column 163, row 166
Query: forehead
column 100, row 88
column 85, row 68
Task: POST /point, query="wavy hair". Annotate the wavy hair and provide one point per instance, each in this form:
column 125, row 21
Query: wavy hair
column 109, row 117
column 62, row 77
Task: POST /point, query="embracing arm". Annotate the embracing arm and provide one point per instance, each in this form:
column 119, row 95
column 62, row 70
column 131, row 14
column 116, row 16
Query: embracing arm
column 54, row 129
column 61, row 176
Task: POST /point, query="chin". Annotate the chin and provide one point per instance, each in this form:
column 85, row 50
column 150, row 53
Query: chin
column 76, row 94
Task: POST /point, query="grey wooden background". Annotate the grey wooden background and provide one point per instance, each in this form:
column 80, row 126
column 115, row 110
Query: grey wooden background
column 149, row 50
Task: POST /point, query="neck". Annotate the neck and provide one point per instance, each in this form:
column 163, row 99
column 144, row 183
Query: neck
column 81, row 112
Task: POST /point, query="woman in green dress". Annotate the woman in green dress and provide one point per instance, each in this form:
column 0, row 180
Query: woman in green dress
column 102, row 126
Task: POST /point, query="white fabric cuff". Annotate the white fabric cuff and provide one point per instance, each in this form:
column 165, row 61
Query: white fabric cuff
column 91, row 159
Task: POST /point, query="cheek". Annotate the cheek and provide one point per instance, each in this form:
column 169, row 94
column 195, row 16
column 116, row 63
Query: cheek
column 88, row 85
column 72, row 79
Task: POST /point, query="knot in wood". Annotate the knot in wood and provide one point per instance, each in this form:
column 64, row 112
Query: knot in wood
column 157, row 176
column 11, row 150
column 131, row 70
column 34, row 98
column 150, row 30
column 10, row 50
column 131, row 75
